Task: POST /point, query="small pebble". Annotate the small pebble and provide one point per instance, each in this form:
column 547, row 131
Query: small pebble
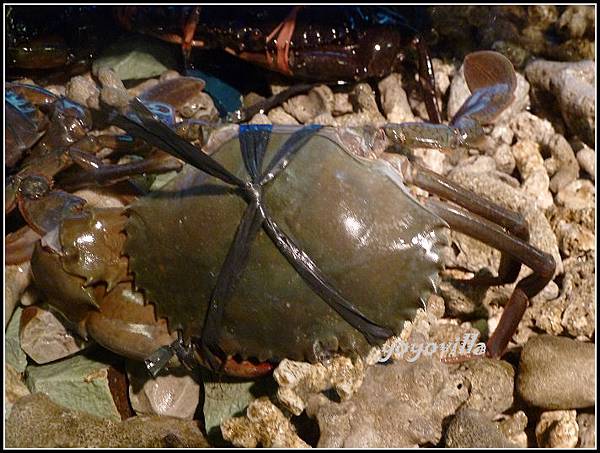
column 557, row 429
column 587, row 160
column 173, row 393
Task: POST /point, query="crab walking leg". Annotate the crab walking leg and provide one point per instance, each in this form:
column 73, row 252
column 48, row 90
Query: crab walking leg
column 541, row 263
column 492, row 81
column 513, row 222
column 97, row 172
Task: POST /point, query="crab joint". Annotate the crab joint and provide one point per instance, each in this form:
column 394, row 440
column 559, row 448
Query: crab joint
column 159, row 359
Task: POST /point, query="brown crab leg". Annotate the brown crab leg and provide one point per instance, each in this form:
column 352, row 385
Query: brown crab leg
column 98, row 172
column 516, row 225
column 541, row 263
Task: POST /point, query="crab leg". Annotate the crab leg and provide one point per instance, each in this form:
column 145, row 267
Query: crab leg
column 492, row 81
column 101, row 173
column 511, row 221
column 541, row 263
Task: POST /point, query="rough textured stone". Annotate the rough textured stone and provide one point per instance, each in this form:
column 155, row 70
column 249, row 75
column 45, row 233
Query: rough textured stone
column 394, row 100
column 14, row 355
column 83, row 90
column 578, row 194
column 229, row 397
column 557, row 373
column 307, row 106
column 513, row 426
column 574, row 229
column 265, row 425
column 472, row 429
column 66, row 428
column 562, row 166
column 298, row 380
column 44, row 337
column 579, row 316
column 557, row 429
column 587, row 160
column 490, row 383
column 577, row 21
column 399, row 405
column 136, row 57
column 587, row 430
column 572, row 84
column 14, row 388
column 78, row 383
column 535, row 179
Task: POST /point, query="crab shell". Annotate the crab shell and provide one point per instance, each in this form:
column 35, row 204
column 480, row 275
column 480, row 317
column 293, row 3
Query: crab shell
column 353, row 216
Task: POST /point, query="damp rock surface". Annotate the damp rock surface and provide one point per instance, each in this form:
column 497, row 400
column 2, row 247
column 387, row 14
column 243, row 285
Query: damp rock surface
column 68, row 428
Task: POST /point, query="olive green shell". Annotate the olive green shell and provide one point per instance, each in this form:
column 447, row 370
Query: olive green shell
column 352, row 216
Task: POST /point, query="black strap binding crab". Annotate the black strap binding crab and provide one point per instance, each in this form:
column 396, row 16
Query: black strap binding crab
column 253, row 142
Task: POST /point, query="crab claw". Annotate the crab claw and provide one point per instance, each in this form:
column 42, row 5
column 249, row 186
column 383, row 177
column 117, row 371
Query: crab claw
column 492, row 80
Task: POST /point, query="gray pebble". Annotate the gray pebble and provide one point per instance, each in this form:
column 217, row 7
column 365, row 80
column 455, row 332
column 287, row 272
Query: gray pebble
column 557, row 373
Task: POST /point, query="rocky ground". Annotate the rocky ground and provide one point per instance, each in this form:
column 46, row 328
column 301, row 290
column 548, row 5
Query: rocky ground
column 538, row 159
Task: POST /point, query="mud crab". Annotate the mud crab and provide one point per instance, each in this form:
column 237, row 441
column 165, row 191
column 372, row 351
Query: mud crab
column 282, row 242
